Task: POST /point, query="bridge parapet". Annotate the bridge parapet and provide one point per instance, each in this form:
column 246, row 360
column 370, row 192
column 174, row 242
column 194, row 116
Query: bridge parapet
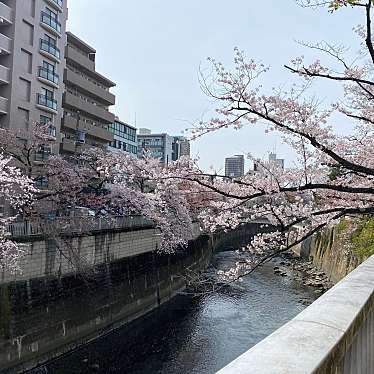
column 334, row 335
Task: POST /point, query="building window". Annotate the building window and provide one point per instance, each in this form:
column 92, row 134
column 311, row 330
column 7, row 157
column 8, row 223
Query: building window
column 45, row 120
column 123, row 131
column 46, row 98
column 42, row 153
column 50, row 18
column 49, row 45
column 41, row 182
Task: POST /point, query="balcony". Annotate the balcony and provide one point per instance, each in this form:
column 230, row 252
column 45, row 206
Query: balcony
column 49, row 50
column 79, row 58
column 4, row 75
column 57, row 4
column 47, row 104
column 87, row 108
column 91, row 130
column 48, row 77
column 51, row 24
column 67, row 146
column 6, row 15
column 5, row 45
column 70, row 146
column 89, row 87
column 3, row 105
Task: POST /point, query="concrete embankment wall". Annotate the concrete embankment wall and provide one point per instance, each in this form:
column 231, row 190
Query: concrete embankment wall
column 44, row 258
column 331, row 252
column 50, row 308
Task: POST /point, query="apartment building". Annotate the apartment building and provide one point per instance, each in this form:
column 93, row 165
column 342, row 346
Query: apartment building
column 125, row 138
column 32, row 41
column 234, row 166
column 86, row 100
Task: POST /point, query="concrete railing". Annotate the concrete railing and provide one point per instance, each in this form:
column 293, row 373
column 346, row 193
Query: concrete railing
column 334, row 335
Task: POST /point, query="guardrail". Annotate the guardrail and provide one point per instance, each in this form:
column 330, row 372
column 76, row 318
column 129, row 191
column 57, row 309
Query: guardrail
column 334, row 335
column 77, row 224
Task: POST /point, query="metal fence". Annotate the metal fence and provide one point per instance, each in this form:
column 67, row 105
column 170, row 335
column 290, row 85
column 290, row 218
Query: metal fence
column 76, row 225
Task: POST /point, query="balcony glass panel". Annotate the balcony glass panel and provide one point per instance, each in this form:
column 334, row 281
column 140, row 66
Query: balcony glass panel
column 48, row 75
column 49, row 48
column 51, row 22
column 51, row 131
column 46, row 101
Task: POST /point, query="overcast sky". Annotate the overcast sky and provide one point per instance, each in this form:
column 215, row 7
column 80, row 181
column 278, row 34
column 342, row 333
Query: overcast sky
column 153, row 50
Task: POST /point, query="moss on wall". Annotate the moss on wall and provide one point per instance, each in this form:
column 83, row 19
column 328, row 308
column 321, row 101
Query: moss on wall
column 332, row 249
column 363, row 238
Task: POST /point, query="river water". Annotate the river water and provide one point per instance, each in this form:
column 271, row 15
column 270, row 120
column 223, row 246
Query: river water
column 194, row 335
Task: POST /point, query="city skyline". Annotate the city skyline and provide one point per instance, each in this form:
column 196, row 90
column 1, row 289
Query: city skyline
column 158, row 84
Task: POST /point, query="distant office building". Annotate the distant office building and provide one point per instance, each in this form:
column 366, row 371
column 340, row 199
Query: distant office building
column 279, row 162
column 144, row 131
column 86, row 100
column 273, row 161
column 159, row 145
column 181, row 147
column 125, row 138
column 32, row 43
column 234, row 166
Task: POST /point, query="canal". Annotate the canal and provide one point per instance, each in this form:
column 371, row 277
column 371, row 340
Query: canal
column 194, row 334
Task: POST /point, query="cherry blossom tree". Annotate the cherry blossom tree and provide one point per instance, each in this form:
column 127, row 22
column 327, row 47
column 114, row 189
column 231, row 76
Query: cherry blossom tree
column 144, row 186
column 16, row 191
column 107, row 184
column 332, row 175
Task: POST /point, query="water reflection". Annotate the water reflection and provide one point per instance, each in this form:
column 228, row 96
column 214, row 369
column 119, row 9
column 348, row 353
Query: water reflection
column 194, row 335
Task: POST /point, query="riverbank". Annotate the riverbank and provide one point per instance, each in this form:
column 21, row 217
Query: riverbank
column 301, row 270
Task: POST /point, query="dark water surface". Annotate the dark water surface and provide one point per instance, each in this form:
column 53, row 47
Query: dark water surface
column 194, row 335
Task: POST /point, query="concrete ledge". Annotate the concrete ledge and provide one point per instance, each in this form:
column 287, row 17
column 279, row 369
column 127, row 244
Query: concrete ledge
column 318, row 339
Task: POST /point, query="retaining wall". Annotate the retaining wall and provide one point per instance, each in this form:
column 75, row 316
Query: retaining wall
column 330, row 251
column 51, row 308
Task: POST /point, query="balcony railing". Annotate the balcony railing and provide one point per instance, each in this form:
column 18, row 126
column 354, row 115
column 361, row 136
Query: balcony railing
column 26, row 228
column 46, row 101
column 58, row 2
column 42, row 155
column 48, row 75
column 49, row 48
column 52, row 131
column 51, row 22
